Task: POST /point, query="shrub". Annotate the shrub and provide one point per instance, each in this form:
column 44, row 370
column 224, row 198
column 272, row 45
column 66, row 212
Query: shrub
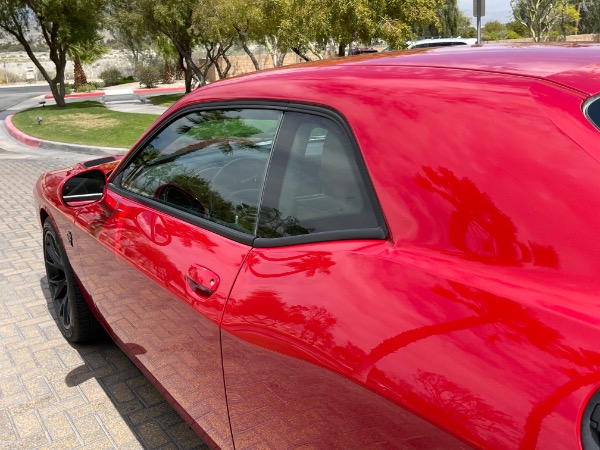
column 148, row 75
column 88, row 87
column 111, row 76
column 9, row 77
column 126, row 80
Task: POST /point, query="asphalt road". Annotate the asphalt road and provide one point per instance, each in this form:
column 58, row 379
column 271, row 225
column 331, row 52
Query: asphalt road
column 13, row 95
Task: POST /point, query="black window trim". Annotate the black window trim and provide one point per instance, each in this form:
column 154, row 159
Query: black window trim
column 586, row 107
column 378, row 233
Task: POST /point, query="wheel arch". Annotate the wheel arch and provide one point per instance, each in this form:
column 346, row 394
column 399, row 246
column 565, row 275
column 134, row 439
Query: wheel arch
column 43, row 216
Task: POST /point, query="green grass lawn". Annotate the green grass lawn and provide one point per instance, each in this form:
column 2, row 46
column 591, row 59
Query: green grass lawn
column 165, row 100
column 88, row 123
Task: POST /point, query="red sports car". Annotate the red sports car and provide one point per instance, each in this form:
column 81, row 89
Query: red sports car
column 397, row 250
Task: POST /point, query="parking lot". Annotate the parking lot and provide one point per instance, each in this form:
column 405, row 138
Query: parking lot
column 53, row 394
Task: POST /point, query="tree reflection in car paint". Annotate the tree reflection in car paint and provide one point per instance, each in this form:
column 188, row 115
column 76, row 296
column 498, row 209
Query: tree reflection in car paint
column 478, row 227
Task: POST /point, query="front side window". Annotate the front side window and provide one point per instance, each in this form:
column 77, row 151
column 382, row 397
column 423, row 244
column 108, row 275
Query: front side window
column 210, row 164
column 319, row 184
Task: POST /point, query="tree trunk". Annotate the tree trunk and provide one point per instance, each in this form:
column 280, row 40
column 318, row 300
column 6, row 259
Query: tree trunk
column 244, row 40
column 185, row 56
column 179, row 70
column 301, row 54
column 58, row 92
column 280, row 59
column 57, row 86
column 342, row 49
column 227, row 67
column 315, row 51
column 272, row 49
column 273, row 46
column 188, row 76
column 79, row 77
column 214, row 54
column 167, row 73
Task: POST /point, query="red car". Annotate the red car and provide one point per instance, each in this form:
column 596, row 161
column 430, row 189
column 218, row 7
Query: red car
column 399, row 250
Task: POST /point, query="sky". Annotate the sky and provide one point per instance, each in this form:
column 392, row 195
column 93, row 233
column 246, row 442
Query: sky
column 494, row 10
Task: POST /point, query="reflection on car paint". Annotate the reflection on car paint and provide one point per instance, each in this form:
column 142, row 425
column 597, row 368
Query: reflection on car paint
column 471, row 322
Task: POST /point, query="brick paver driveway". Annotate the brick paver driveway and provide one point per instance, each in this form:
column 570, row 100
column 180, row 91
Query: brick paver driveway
column 52, row 394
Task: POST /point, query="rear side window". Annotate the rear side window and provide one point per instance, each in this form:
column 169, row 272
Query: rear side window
column 592, row 111
column 320, row 187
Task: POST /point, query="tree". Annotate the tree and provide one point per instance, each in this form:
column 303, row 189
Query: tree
column 590, row 16
column 278, row 25
column 241, row 16
column 215, row 35
column 85, row 54
column 515, row 30
column 539, row 16
column 465, row 29
column 494, row 31
column 304, row 28
column 367, row 20
column 271, row 23
column 62, row 23
column 449, row 19
column 269, row 29
column 173, row 19
column 568, row 18
column 168, row 52
column 125, row 23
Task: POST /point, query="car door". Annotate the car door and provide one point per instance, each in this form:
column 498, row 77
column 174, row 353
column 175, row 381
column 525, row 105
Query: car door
column 162, row 251
column 310, row 320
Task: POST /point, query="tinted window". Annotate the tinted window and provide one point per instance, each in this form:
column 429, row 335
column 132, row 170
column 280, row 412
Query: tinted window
column 439, row 44
column 210, row 164
column 593, row 112
column 321, row 188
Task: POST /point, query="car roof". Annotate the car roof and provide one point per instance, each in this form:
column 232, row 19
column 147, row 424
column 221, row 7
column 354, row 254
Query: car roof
column 573, row 65
column 576, row 66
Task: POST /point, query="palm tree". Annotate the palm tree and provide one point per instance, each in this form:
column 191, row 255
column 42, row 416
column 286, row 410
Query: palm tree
column 85, row 54
column 169, row 54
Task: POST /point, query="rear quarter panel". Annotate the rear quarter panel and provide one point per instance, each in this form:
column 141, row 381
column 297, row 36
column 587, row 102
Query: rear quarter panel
column 480, row 313
column 491, row 191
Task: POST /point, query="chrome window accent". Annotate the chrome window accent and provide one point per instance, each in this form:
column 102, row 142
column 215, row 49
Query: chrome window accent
column 591, row 110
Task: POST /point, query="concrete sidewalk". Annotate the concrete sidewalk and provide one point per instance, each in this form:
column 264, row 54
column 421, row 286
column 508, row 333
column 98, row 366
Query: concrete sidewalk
column 171, row 88
column 54, row 395
column 138, row 105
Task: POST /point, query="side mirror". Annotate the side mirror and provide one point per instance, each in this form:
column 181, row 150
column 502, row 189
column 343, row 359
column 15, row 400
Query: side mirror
column 84, row 188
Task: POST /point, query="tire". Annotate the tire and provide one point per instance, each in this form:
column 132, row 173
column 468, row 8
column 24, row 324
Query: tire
column 73, row 316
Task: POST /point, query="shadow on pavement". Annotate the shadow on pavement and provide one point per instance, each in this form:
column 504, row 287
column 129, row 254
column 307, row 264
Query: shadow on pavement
column 150, row 420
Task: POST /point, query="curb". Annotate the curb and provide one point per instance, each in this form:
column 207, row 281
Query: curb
column 135, row 91
column 19, row 135
column 78, row 95
column 51, row 145
column 158, row 90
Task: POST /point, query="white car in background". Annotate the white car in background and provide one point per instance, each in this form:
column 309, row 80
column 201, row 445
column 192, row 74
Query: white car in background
column 441, row 42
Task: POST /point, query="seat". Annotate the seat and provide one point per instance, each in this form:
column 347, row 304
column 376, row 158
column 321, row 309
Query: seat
column 339, row 193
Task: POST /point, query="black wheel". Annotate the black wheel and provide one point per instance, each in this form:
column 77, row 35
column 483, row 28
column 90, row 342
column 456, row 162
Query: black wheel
column 75, row 320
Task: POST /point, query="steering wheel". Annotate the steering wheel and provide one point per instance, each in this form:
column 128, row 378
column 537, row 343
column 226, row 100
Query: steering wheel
column 175, row 196
column 241, row 174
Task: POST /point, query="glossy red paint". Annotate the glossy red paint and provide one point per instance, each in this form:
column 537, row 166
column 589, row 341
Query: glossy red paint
column 473, row 324
column 449, row 321
column 148, row 262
